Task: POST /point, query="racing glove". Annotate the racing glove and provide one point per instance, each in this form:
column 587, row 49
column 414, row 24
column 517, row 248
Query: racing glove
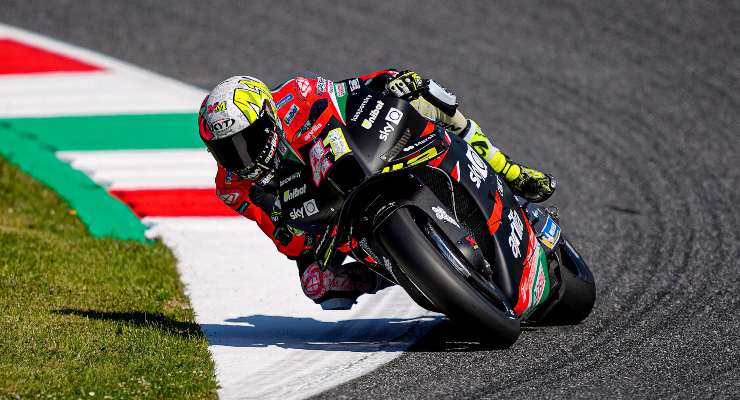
column 529, row 183
column 407, row 85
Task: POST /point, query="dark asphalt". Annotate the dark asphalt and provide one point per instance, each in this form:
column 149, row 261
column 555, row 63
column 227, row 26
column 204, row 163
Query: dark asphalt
column 635, row 107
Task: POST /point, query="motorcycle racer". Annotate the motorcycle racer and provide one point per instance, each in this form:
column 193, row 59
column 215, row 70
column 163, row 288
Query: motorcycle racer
column 256, row 136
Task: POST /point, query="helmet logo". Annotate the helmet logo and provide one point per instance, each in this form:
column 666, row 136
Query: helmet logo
column 217, row 107
column 221, row 125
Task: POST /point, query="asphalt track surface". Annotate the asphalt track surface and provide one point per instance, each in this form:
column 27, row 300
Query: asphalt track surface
column 635, row 107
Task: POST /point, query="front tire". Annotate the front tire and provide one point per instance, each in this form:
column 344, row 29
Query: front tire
column 422, row 264
column 577, row 294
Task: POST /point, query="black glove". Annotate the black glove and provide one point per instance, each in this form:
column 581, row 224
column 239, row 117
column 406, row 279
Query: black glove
column 407, row 85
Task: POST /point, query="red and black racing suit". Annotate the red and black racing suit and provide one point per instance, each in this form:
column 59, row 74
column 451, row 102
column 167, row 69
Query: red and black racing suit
column 294, row 100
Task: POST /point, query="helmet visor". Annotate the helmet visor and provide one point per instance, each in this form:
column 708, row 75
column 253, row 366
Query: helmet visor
column 248, row 147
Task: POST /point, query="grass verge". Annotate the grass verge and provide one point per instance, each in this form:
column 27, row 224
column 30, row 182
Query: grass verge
column 89, row 318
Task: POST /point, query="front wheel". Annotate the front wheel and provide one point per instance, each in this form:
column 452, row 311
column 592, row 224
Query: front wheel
column 577, row 293
column 420, row 258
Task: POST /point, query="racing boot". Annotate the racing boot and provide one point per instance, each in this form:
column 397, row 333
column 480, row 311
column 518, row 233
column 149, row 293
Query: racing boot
column 339, row 287
column 529, row 183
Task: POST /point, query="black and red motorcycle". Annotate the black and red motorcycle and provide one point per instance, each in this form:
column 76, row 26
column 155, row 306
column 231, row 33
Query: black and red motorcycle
column 420, row 207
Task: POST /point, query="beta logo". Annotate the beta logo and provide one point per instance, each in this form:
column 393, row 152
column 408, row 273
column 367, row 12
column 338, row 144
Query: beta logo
column 291, row 194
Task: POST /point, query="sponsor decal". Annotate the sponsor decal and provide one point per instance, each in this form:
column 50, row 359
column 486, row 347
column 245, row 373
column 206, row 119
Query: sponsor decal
column 425, row 156
column 321, row 85
column 550, row 233
column 229, row 197
column 242, row 207
column 368, row 122
column 387, row 264
column 295, row 175
column 221, row 125
column 319, row 162
column 471, row 241
column 338, row 144
column 291, row 114
column 366, row 248
column 312, row 282
column 499, row 186
column 310, row 207
column 517, row 232
column 304, row 86
column 229, row 176
column 393, row 117
column 477, row 167
column 284, row 101
column 267, row 178
column 341, row 89
column 361, row 108
column 534, row 286
column 313, row 132
column 217, row 107
column 297, row 213
column 539, row 286
column 354, row 84
column 442, row 215
column 291, row 194
column 420, row 143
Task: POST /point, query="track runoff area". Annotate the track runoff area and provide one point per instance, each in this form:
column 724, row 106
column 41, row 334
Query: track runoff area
column 120, row 145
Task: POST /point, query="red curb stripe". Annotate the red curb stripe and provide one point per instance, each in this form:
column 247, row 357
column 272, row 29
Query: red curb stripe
column 21, row 58
column 174, row 203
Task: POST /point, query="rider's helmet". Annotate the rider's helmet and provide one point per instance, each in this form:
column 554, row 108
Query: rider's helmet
column 238, row 124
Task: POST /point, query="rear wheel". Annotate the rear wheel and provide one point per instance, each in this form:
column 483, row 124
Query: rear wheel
column 421, row 258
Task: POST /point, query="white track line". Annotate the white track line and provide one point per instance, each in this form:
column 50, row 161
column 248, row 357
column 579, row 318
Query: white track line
column 268, row 339
column 145, row 169
column 121, row 89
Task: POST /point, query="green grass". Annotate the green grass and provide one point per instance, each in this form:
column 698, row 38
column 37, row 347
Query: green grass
column 89, row 318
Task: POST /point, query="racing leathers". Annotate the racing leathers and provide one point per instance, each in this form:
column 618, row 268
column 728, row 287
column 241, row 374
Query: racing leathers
column 306, row 107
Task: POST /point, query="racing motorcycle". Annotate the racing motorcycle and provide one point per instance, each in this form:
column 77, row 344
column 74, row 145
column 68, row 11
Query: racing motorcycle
column 420, row 207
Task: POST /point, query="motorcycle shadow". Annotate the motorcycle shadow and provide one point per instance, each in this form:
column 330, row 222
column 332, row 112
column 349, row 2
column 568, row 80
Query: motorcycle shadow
column 448, row 336
column 356, row 335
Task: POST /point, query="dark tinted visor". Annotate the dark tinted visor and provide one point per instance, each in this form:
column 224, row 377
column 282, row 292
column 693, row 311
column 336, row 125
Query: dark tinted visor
column 241, row 150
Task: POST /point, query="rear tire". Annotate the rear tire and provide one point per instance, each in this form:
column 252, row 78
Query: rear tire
column 424, row 267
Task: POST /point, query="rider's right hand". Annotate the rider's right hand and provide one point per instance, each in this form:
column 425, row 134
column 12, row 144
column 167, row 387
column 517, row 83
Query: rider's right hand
column 406, row 85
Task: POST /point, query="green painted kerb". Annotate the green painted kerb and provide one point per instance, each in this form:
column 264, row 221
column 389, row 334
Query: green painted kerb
column 31, row 144
column 113, row 132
